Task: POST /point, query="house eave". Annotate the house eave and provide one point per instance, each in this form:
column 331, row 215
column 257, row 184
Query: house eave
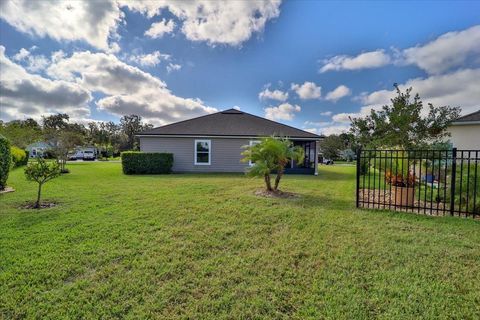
column 464, row 123
column 221, row 136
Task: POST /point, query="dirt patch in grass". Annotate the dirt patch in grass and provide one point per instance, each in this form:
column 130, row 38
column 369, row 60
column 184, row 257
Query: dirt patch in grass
column 43, row 205
column 275, row 194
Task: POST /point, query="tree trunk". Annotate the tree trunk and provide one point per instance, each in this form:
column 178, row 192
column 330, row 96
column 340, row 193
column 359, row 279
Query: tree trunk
column 37, row 204
column 277, row 179
column 268, row 183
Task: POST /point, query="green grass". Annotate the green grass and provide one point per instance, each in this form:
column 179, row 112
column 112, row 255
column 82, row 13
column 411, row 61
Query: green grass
column 204, row 246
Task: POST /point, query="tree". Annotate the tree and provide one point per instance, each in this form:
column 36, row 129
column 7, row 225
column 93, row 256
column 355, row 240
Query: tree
column 67, row 141
column 271, row 155
column 5, row 161
column 131, row 125
column 404, row 124
column 21, row 133
column 41, row 172
column 331, row 146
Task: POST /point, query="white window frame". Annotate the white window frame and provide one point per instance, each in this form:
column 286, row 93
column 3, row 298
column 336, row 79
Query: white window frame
column 252, row 142
column 209, row 152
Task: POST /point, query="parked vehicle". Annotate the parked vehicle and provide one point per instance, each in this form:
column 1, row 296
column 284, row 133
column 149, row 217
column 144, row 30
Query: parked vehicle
column 326, row 161
column 89, row 154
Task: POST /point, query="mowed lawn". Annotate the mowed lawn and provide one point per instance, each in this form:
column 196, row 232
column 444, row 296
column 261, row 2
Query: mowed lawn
column 204, row 246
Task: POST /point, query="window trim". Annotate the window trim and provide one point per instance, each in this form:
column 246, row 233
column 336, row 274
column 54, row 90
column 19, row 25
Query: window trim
column 250, row 163
column 209, row 152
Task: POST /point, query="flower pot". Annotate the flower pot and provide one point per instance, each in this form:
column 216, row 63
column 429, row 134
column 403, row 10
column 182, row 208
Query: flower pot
column 404, row 196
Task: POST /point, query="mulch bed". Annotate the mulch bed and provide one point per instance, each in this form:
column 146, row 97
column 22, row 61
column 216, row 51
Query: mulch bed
column 275, row 194
column 43, row 205
column 387, row 202
column 7, row 190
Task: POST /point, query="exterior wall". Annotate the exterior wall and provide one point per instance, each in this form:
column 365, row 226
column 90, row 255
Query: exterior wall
column 225, row 153
column 465, row 136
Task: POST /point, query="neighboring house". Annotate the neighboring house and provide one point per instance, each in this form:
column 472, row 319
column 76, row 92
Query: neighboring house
column 213, row 143
column 465, row 132
column 37, row 149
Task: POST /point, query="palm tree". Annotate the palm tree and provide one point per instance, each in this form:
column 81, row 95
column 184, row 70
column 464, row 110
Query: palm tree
column 270, row 155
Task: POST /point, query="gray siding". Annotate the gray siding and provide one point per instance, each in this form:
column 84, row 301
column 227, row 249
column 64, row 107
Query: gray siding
column 225, row 153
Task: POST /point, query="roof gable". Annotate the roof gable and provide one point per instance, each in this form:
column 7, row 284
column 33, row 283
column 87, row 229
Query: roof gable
column 230, row 122
column 472, row 117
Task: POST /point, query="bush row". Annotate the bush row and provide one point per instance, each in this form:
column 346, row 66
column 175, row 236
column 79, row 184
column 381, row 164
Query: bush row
column 19, row 156
column 134, row 162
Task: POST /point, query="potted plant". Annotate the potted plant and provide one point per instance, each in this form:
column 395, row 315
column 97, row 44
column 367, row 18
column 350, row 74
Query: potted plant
column 403, row 185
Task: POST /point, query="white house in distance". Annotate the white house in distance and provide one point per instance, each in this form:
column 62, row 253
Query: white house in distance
column 465, row 132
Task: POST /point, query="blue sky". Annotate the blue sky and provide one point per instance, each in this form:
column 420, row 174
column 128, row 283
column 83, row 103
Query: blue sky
column 310, row 64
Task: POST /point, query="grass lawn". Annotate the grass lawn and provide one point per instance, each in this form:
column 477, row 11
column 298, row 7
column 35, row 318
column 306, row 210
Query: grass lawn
column 204, row 246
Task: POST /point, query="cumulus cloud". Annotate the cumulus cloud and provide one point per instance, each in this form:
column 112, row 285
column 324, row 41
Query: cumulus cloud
column 326, row 113
column 339, row 92
column 150, row 59
column 459, row 88
column 285, row 111
column 307, row 90
column 173, row 67
column 372, row 59
column 159, row 29
column 273, row 95
column 94, row 22
column 449, row 50
column 128, row 89
column 33, row 63
column 29, row 95
column 215, row 22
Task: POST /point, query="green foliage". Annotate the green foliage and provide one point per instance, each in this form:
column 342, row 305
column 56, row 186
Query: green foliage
column 200, row 246
column 271, row 155
column 19, row 156
column 21, row 133
column 331, row 146
column 5, row 161
column 41, row 171
column 402, row 123
column 134, row 162
column 466, row 188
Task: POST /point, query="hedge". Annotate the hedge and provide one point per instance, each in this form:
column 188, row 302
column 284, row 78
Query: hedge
column 134, row 162
column 5, row 160
column 19, row 156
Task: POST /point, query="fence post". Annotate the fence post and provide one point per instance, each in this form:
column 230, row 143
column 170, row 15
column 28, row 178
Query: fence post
column 359, row 152
column 452, row 183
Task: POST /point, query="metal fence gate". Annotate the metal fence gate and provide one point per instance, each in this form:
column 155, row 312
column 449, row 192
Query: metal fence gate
column 431, row 182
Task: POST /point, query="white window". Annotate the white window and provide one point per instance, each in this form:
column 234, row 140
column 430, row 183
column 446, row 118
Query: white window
column 203, row 152
column 252, row 143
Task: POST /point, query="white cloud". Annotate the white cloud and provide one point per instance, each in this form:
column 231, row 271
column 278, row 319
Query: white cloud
column 29, row 95
column 128, row 89
column 94, row 22
column 343, row 117
column 317, row 123
column 339, row 92
column 21, row 55
column 215, row 22
column 335, row 129
column 372, row 59
column 285, row 111
column 308, row 90
column 459, row 88
column 273, row 95
column 33, row 63
column 159, row 29
column 326, row 113
column 449, row 50
column 150, row 59
column 173, row 67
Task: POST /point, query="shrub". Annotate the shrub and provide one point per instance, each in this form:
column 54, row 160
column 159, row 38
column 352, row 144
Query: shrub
column 41, row 172
column 5, row 160
column 19, row 156
column 134, row 162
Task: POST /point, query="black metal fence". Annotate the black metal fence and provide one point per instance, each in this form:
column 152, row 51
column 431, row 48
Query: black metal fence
column 432, row 182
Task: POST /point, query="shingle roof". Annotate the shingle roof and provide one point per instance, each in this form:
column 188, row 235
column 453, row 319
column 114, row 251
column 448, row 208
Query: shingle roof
column 475, row 116
column 230, row 122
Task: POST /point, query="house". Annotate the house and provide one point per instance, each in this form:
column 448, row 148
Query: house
column 465, row 132
column 37, row 149
column 213, row 143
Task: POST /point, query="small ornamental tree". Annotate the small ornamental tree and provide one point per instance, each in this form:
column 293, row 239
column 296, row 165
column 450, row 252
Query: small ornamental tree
column 5, row 161
column 41, row 172
column 271, row 155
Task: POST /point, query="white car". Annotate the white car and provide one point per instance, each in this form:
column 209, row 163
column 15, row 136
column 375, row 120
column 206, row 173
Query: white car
column 327, row 161
column 88, row 155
